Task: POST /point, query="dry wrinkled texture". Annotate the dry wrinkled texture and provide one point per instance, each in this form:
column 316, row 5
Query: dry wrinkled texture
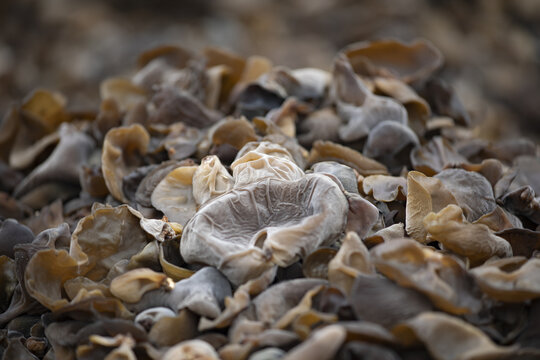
column 121, row 150
column 210, row 180
column 267, row 160
column 292, row 219
column 474, row 241
column 438, row 276
column 174, row 195
column 512, row 280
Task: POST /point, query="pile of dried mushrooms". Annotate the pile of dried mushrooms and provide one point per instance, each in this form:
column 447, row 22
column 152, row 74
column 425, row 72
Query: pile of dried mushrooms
column 216, row 206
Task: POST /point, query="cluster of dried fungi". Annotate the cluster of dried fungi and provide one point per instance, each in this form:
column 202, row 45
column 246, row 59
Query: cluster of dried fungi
column 223, row 207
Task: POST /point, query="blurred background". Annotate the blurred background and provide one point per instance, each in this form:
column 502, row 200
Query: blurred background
column 491, row 47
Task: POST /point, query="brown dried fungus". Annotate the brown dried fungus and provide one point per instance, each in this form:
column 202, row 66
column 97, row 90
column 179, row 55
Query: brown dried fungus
column 217, row 206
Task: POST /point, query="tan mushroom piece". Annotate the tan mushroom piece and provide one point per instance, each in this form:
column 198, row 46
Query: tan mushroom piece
column 121, row 148
column 191, row 349
column 424, row 195
column 249, row 229
column 267, row 160
column 435, row 329
column 474, row 241
column 323, row 344
column 385, row 188
column 131, row 286
column 351, row 260
column 390, row 58
column 174, row 195
column 440, row 277
column 210, row 180
column 515, row 279
column 126, row 94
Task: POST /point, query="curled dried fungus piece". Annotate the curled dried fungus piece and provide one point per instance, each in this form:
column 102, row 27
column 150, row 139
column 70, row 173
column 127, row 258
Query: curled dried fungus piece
column 210, row 180
column 511, row 280
column 292, row 218
column 385, row 188
column 121, row 150
column 474, row 241
column 439, row 277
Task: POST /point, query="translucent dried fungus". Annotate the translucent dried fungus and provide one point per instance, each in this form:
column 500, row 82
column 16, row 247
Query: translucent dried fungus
column 292, row 219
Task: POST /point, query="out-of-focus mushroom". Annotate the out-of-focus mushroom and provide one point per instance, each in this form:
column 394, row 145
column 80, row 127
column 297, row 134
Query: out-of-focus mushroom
column 370, row 301
column 411, row 62
column 524, row 242
column 434, row 329
column 149, row 182
column 474, row 241
column 439, row 277
column 360, row 108
column 235, row 132
column 126, row 94
column 329, row 151
column 344, row 173
column 132, row 285
column 315, row 265
column 122, row 148
column 511, row 280
column 171, row 329
column 351, row 260
column 191, row 349
column 210, row 180
column 471, row 190
column 385, row 188
column 12, row 233
column 64, row 163
column 292, row 219
column 322, row 344
column 390, row 143
column 434, row 156
column 322, row 124
column 172, row 105
column 174, row 195
column 418, row 109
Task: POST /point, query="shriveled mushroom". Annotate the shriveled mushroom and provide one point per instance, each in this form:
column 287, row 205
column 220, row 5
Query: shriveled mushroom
column 292, row 219
column 210, row 180
column 267, row 160
column 385, row 188
column 191, row 349
column 132, row 285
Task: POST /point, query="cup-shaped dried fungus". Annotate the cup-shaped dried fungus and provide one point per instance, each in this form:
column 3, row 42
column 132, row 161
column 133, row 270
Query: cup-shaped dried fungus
column 121, row 149
column 247, row 230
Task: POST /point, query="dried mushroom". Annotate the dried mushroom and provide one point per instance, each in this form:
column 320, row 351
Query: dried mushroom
column 474, row 241
column 361, row 109
column 217, row 206
column 174, row 195
column 122, row 148
column 440, row 277
column 513, row 279
column 390, row 58
column 293, row 218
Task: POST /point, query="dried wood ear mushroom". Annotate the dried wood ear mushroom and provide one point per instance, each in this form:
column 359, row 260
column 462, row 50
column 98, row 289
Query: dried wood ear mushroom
column 222, row 207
